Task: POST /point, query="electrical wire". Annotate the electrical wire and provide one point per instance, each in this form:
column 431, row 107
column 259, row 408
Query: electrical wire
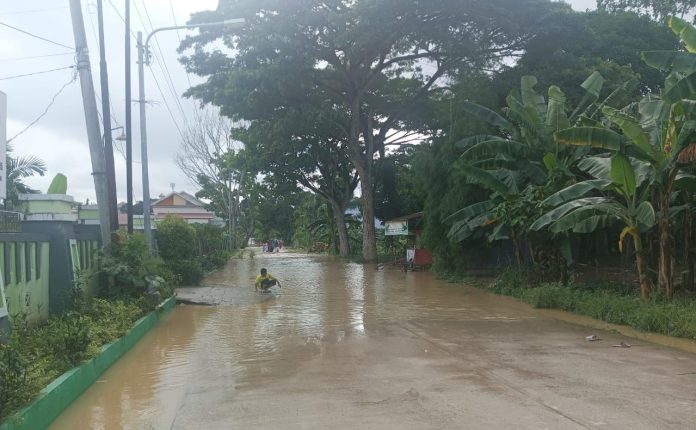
column 38, row 37
column 122, row 18
column 35, row 56
column 176, row 124
column 178, row 35
column 161, row 61
column 19, row 12
column 154, row 77
column 35, row 73
column 73, row 78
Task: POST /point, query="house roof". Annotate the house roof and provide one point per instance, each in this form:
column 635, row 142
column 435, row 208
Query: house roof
column 184, row 195
column 410, row 217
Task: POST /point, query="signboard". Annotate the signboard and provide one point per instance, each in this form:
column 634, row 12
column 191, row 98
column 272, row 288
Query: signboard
column 3, row 144
column 396, row 228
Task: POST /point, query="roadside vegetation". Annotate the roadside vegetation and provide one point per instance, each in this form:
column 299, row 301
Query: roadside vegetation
column 190, row 251
column 132, row 284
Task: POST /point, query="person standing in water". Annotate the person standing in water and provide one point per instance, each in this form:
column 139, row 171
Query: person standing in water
column 265, row 281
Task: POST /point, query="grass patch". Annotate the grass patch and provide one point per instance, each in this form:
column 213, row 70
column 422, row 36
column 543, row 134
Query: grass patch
column 613, row 303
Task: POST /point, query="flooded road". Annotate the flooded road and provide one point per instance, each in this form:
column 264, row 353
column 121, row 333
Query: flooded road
column 343, row 345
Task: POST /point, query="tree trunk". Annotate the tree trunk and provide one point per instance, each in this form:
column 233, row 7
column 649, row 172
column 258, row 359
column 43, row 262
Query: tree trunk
column 340, row 219
column 518, row 252
column 665, row 279
column 363, row 165
column 645, row 284
column 688, row 241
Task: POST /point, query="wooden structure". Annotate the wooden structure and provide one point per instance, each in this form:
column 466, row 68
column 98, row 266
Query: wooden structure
column 416, row 255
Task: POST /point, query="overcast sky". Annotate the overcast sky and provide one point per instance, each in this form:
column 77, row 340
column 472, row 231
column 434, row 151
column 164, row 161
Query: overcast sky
column 59, row 137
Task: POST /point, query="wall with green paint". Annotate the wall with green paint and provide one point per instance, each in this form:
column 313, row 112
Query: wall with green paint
column 25, row 267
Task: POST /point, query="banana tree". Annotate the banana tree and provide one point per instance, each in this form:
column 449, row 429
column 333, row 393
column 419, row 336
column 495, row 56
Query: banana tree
column 659, row 130
column 522, row 158
column 619, row 192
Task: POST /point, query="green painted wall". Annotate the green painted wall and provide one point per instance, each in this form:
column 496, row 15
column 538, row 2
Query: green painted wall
column 25, row 265
column 90, row 214
column 46, row 207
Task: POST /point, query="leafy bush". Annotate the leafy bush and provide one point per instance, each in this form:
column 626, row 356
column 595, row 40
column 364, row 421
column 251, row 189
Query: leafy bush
column 188, row 272
column 128, row 269
column 191, row 250
column 176, row 239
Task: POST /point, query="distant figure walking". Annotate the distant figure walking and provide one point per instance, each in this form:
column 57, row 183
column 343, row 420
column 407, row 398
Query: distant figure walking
column 265, row 281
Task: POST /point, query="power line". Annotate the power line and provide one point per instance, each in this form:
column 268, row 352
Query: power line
column 161, row 61
column 38, row 37
column 35, row 73
column 178, row 35
column 176, row 124
column 19, row 12
column 121, row 16
column 72, row 79
column 35, row 56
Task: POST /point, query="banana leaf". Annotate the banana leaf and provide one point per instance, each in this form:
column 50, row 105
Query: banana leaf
column 485, row 179
column 685, row 31
column 631, row 129
column 555, row 214
column 556, row 118
column 685, row 88
column 475, row 140
column 470, row 211
column 622, row 174
column 670, row 61
column 488, row 116
column 576, row 191
column 595, row 137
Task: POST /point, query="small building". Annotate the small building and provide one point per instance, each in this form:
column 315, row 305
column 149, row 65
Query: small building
column 184, row 205
column 411, row 226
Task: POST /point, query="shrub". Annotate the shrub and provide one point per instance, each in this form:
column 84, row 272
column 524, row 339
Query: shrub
column 188, row 272
column 176, row 239
column 128, row 269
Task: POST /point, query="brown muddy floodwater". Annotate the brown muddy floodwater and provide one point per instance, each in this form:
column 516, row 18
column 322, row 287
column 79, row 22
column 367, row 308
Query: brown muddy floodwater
column 345, row 345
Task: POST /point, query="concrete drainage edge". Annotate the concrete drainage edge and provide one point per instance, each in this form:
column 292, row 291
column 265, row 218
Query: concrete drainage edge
column 60, row 393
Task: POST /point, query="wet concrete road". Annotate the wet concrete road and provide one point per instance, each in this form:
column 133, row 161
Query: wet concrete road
column 347, row 346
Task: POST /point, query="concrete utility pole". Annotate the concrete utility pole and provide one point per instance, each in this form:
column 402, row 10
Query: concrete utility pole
column 96, row 148
column 143, row 142
column 143, row 58
column 106, row 116
column 129, row 135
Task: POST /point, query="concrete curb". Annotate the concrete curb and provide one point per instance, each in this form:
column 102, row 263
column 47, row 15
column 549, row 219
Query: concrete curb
column 60, row 393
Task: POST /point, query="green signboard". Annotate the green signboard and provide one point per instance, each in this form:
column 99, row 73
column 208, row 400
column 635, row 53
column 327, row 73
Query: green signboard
column 396, row 228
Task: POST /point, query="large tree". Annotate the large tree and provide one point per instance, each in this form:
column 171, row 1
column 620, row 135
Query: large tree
column 305, row 148
column 374, row 61
column 659, row 10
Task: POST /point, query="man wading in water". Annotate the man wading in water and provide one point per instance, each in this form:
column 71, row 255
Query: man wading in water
column 265, row 281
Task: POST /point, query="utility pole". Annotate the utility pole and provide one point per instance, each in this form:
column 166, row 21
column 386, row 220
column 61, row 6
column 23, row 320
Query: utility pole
column 129, row 136
column 106, row 114
column 143, row 141
column 96, row 148
column 143, row 58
